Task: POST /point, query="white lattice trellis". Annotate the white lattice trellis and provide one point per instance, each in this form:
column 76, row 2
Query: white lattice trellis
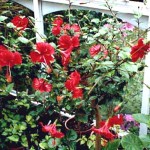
column 125, row 10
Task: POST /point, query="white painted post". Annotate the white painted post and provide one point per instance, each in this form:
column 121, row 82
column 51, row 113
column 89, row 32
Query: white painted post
column 39, row 24
column 146, row 91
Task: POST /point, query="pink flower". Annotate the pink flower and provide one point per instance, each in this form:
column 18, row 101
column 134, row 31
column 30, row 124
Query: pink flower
column 20, row 22
column 127, row 26
column 44, row 53
column 41, row 85
column 129, row 118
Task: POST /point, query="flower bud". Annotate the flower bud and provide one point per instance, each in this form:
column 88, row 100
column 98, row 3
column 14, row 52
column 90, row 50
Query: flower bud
column 117, row 108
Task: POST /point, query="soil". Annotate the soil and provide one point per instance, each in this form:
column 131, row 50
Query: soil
column 79, row 127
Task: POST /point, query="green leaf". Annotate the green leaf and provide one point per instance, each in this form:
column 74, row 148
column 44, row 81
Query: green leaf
column 71, row 135
column 95, row 20
column 90, row 144
column 82, row 118
column 14, row 138
column 130, row 67
column 43, row 145
column 23, row 40
column 24, row 141
column 2, row 18
column 132, row 142
column 53, row 142
column 9, row 88
column 10, row 25
column 142, row 118
column 113, row 145
column 28, row 118
column 23, row 126
column 145, row 140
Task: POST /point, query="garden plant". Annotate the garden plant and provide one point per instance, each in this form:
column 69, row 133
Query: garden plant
column 83, row 66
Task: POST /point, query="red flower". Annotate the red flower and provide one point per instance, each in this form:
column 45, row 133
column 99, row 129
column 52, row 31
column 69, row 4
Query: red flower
column 52, row 130
column 105, row 132
column 75, row 41
column 66, row 41
column 75, row 28
column 41, row 85
column 20, row 22
column 76, row 77
column 65, row 56
column 3, row 48
column 69, row 84
column 94, row 50
column 66, row 27
column 139, row 50
column 44, row 53
column 116, row 120
column 10, row 59
column 56, row 30
column 58, row 21
column 77, row 92
column 73, row 81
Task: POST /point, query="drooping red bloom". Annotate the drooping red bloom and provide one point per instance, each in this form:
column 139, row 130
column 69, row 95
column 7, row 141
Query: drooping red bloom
column 41, row 85
column 104, row 131
column 77, row 92
column 65, row 56
column 139, row 51
column 20, row 22
column 58, row 21
column 73, row 81
column 94, row 50
column 56, row 30
column 43, row 53
column 51, row 129
column 66, row 41
column 105, row 126
column 10, row 59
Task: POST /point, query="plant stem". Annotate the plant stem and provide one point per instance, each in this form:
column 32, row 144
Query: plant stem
column 98, row 119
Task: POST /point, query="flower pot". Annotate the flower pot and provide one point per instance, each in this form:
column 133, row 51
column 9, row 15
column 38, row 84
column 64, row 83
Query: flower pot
column 80, row 127
column 16, row 148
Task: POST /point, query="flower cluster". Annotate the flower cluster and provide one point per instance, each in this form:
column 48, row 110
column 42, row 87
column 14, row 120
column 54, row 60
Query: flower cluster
column 72, row 85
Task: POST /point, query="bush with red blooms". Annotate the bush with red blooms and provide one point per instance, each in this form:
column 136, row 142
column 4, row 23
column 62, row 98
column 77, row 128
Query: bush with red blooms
column 78, row 67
